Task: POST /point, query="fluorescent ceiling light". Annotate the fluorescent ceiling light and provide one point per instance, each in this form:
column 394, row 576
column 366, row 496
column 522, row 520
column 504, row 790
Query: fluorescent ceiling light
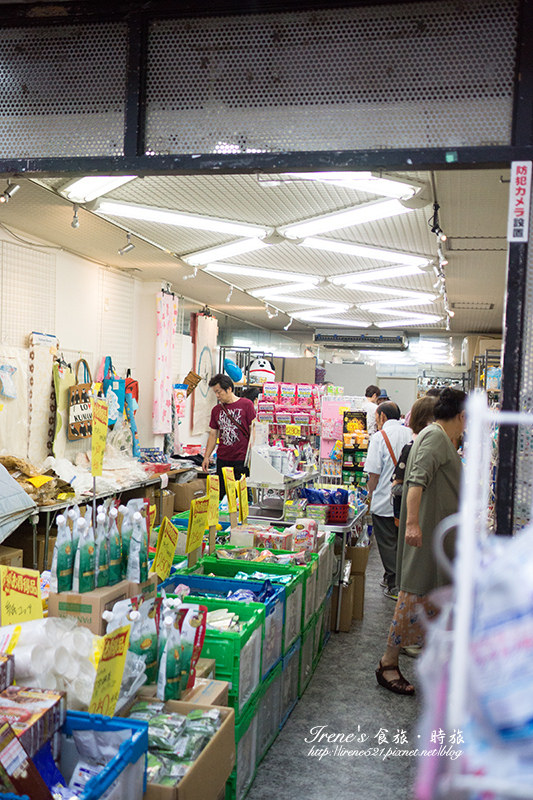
column 374, row 275
column 418, row 319
column 83, row 190
column 284, row 291
column 259, row 272
column 384, row 306
column 362, row 251
column 358, row 215
column 390, row 290
column 324, row 309
column 350, row 323
column 361, row 182
column 180, row 219
column 210, row 254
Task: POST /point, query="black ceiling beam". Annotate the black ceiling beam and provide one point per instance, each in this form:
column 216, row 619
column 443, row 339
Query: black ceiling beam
column 408, row 159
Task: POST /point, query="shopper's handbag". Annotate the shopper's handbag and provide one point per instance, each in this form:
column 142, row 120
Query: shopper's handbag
column 396, row 506
column 80, row 415
column 113, row 385
column 132, row 386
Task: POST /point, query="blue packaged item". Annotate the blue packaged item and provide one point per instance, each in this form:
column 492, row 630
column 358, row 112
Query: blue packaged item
column 338, row 497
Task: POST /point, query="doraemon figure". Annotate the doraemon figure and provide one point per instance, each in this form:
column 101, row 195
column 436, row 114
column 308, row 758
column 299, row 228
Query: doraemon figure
column 262, row 371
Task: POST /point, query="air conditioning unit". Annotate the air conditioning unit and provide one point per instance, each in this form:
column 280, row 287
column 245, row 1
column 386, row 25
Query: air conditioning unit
column 361, row 341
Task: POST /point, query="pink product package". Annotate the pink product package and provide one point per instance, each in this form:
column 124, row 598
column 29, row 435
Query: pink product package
column 265, row 416
column 274, row 541
column 270, row 392
column 283, row 417
column 264, row 406
column 304, row 394
column 287, row 393
column 300, row 418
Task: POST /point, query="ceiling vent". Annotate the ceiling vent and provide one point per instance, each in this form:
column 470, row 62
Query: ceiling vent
column 366, row 341
column 465, row 305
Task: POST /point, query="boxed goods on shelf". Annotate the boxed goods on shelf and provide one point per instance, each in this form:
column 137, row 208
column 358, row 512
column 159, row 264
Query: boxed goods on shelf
column 289, row 681
column 206, row 774
column 11, row 556
column 184, row 493
column 34, row 715
column 124, row 774
column 18, row 773
column 200, row 583
column 306, row 657
column 269, row 712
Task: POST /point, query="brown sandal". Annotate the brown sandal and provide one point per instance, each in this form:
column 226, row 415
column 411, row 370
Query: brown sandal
column 398, row 685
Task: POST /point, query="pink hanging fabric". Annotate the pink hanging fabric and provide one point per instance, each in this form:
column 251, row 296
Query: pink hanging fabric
column 166, row 318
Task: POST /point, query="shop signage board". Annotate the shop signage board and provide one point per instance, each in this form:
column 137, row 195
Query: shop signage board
column 231, row 488
column 243, row 499
column 110, row 671
column 166, row 547
column 213, row 493
column 519, row 201
column 20, row 595
column 197, row 523
column 99, row 436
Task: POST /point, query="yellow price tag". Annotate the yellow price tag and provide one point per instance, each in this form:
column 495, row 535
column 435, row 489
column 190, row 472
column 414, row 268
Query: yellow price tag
column 40, row 480
column 99, row 436
column 153, row 515
column 197, row 523
column 243, row 499
column 213, row 493
column 166, row 547
column 342, row 409
column 20, row 598
column 293, row 430
column 231, row 488
column 110, row 671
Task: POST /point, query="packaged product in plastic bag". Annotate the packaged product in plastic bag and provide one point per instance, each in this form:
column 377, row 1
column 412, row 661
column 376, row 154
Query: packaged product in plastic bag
column 137, row 570
column 115, row 548
column 102, row 552
column 85, row 559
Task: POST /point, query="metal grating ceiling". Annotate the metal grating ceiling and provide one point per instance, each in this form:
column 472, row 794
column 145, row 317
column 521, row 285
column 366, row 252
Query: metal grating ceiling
column 442, row 76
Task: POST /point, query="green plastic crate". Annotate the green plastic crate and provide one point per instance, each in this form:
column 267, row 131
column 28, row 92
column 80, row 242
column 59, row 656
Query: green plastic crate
column 269, row 711
column 318, row 641
column 326, row 556
column 306, row 668
column 292, row 622
column 237, row 654
column 243, row 773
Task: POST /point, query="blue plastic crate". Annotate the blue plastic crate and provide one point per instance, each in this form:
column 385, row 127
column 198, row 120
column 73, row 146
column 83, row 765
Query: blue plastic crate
column 130, row 751
column 274, row 607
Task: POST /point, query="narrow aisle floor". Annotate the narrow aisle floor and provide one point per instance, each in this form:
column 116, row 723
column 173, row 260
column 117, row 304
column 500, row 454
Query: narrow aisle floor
column 343, row 696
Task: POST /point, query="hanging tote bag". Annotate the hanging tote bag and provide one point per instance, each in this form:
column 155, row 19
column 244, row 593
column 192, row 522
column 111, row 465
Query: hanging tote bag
column 80, row 415
column 114, row 387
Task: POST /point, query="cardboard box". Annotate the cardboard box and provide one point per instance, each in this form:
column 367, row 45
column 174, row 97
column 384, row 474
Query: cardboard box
column 164, row 499
column 207, row 692
column 184, row 493
column 359, row 558
column 88, row 607
column 35, row 715
column 7, row 671
column 18, row 773
column 358, row 581
column 143, row 491
column 205, row 668
column 23, row 539
column 346, row 607
column 207, row 777
column 146, row 589
column 10, row 556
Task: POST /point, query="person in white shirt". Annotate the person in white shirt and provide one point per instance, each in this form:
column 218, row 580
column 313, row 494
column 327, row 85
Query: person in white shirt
column 370, row 406
column 383, row 452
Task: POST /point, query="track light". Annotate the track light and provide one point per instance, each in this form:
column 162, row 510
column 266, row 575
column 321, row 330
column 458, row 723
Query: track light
column 9, row 191
column 288, row 325
column 128, row 247
column 228, row 298
column 435, row 224
column 75, row 219
column 192, row 274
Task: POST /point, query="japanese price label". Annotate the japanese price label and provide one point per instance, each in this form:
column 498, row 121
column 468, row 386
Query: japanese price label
column 110, row 671
column 231, row 488
column 519, row 199
column 197, row 523
column 20, row 598
column 99, row 436
column 213, row 493
column 243, row 499
column 166, row 547
column 293, row 430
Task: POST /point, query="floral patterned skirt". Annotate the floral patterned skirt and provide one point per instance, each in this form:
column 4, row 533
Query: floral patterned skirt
column 409, row 621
